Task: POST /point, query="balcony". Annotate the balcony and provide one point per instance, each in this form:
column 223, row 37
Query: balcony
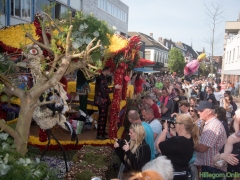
column 232, row 27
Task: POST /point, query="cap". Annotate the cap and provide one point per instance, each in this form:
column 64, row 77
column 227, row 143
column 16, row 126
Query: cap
column 205, row 105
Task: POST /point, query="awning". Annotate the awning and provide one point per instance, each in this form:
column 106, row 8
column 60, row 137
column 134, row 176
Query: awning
column 231, row 72
column 144, row 70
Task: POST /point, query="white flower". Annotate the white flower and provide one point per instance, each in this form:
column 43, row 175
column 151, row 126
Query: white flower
column 5, row 146
column 5, row 159
column 4, row 136
column 76, row 45
column 114, row 28
column 96, row 33
column 88, row 40
column 37, row 173
column 37, row 160
column 85, row 25
column 81, row 27
column 4, row 168
column 28, row 161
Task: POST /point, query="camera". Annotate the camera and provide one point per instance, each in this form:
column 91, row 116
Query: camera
column 121, row 142
column 170, row 120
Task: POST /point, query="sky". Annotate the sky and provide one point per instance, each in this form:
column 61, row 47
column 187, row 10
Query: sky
column 181, row 20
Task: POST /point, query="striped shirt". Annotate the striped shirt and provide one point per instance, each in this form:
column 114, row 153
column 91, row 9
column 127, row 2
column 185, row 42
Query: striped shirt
column 213, row 136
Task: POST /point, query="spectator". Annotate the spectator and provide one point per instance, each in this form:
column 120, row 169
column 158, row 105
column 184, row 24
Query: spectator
column 138, row 84
column 148, row 174
column 167, row 106
column 194, row 114
column 236, row 90
column 159, row 84
column 149, row 101
column 221, row 115
column 136, row 153
column 133, row 78
column 184, row 107
column 182, row 94
column 193, row 101
column 233, row 139
column 162, row 165
column 212, row 139
column 179, row 149
column 148, row 116
column 210, row 96
column 176, row 100
column 218, row 94
column 228, row 107
column 134, row 117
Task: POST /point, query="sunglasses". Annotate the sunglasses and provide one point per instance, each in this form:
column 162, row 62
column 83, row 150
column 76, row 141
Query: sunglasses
column 190, row 110
column 201, row 110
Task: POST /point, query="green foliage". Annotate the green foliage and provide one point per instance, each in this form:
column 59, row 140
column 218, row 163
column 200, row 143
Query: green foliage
column 85, row 175
column 86, row 28
column 176, row 60
column 14, row 166
column 97, row 159
column 5, row 64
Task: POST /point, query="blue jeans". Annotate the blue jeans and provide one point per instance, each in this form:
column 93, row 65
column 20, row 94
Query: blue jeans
column 210, row 173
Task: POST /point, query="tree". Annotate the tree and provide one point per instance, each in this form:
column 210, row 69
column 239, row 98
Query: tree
column 65, row 48
column 214, row 13
column 176, row 61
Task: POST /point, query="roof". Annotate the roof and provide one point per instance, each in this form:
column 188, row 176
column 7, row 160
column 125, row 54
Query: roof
column 149, row 41
column 190, row 50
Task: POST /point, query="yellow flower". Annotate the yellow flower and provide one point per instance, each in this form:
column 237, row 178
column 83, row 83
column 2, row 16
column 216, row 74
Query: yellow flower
column 116, row 43
column 14, row 36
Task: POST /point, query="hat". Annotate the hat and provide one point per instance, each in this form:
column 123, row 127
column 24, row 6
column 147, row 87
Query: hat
column 205, row 105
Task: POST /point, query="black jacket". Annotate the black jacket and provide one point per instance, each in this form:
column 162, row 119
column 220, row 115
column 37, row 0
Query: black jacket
column 137, row 160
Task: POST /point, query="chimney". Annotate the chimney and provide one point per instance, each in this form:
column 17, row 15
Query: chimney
column 151, row 35
column 160, row 39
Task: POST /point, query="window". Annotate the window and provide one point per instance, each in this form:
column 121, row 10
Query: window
column 167, row 44
column 233, row 55
column 226, row 58
column 140, row 54
column 147, row 55
column 155, row 56
column 2, row 6
column 238, row 55
column 20, row 8
column 60, row 10
column 229, row 57
column 112, row 10
column 171, row 46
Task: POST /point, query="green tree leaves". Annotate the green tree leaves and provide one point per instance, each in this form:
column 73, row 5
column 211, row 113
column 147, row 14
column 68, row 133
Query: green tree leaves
column 176, row 60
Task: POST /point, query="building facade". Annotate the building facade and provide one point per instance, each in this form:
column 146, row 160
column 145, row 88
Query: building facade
column 114, row 12
column 231, row 57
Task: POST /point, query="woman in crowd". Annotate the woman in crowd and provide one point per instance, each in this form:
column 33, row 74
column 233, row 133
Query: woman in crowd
column 228, row 107
column 221, row 115
column 139, row 83
column 194, row 114
column 136, row 153
column 179, row 149
column 169, row 87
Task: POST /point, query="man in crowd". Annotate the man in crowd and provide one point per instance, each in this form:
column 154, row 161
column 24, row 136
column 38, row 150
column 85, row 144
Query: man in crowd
column 167, row 105
column 210, row 96
column 184, row 106
column 134, row 117
column 149, row 101
column 212, row 139
column 148, row 116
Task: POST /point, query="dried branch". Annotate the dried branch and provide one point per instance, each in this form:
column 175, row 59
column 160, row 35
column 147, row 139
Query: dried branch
column 68, row 40
column 91, row 66
column 8, row 129
column 79, row 55
column 44, row 34
column 95, row 47
column 42, row 103
column 38, row 43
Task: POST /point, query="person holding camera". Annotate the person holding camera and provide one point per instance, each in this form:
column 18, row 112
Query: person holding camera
column 136, row 153
column 179, row 149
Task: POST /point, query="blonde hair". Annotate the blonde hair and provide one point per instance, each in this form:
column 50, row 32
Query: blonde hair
column 190, row 127
column 134, row 144
column 145, row 175
column 140, row 135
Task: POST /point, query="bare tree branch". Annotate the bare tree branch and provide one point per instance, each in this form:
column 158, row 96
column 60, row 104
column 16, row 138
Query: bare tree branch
column 68, row 40
column 44, row 34
column 8, row 129
column 38, row 43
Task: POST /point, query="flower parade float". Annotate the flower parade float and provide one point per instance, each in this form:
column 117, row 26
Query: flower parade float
column 55, row 49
